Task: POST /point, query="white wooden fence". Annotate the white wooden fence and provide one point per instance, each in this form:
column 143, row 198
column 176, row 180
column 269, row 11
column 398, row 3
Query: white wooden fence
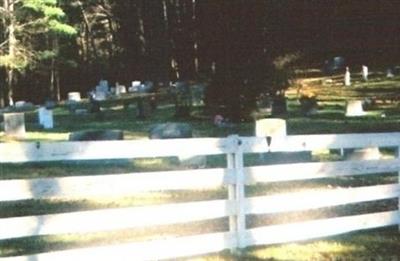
column 236, row 206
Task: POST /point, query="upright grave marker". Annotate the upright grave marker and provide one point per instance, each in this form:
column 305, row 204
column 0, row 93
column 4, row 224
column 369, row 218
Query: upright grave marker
column 46, row 118
column 74, row 96
column 364, row 72
column 347, row 77
column 14, row 124
column 354, row 108
column 274, row 130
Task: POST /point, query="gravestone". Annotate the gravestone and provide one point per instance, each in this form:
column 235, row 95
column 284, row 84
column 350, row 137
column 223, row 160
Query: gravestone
column 93, row 135
column 134, row 87
column 371, row 153
column 14, row 124
column 354, row 108
column 120, row 89
column 276, row 130
column 20, row 104
column 179, row 131
column 347, row 77
column 364, row 72
column 46, row 118
column 389, row 73
column 100, row 95
column 40, row 114
column 171, row 131
column 101, row 91
column 74, row 96
column 103, row 86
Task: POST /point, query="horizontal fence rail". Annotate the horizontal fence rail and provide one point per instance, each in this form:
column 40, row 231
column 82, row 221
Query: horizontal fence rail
column 113, row 185
column 317, row 170
column 319, row 228
column 236, row 206
column 149, row 250
column 113, row 219
column 97, row 150
column 319, row 199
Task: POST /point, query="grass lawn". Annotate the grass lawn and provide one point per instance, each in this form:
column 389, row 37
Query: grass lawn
column 380, row 244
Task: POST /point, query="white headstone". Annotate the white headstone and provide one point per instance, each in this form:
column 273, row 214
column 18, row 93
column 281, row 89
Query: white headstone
column 365, row 73
column 120, row 89
column 135, row 86
column 74, row 96
column 20, row 104
column 41, row 113
column 47, row 119
column 274, row 128
column 347, row 77
column 136, row 83
column 354, row 108
column 14, row 124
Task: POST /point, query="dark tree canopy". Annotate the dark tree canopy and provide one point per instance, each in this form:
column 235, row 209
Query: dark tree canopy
column 235, row 44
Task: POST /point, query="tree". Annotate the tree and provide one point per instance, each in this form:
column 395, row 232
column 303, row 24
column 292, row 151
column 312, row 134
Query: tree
column 24, row 21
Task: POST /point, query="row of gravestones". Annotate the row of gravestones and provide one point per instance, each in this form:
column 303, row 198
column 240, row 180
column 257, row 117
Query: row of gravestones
column 158, row 131
column 353, row 108
column 102, row 91
column 194, row 92
column 14, row 123
column 273, row 129
column 338, row 64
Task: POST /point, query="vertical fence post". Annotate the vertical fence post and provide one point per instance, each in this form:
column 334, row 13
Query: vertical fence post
column 398, row 179
column 236, row 192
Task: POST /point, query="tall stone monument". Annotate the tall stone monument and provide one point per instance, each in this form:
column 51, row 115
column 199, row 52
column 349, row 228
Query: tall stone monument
column 347, row 77
column 364, row 72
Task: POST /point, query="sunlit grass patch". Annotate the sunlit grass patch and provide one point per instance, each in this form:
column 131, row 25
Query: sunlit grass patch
column 36, row 136
column 319, row 250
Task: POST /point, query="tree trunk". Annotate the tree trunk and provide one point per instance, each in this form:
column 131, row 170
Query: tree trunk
column 2, row 102
column 12, row 41
column 54, row 88
column 10, row 91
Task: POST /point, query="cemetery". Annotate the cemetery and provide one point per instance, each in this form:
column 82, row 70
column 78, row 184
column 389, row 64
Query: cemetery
column 199, row 130
column 336, row 109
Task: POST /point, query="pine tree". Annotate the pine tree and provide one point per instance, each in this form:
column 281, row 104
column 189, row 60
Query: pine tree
column 23, row 21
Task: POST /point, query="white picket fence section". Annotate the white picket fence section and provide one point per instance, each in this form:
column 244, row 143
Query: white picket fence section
column 235, row 176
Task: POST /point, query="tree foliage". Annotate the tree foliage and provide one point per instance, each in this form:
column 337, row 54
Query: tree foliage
column 243, row 48
column 27, row 25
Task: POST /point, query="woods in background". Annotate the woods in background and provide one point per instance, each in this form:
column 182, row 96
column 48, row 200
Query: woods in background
column 50, row 47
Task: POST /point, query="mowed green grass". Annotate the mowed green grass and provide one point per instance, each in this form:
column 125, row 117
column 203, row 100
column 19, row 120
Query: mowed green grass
column 380, row 244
